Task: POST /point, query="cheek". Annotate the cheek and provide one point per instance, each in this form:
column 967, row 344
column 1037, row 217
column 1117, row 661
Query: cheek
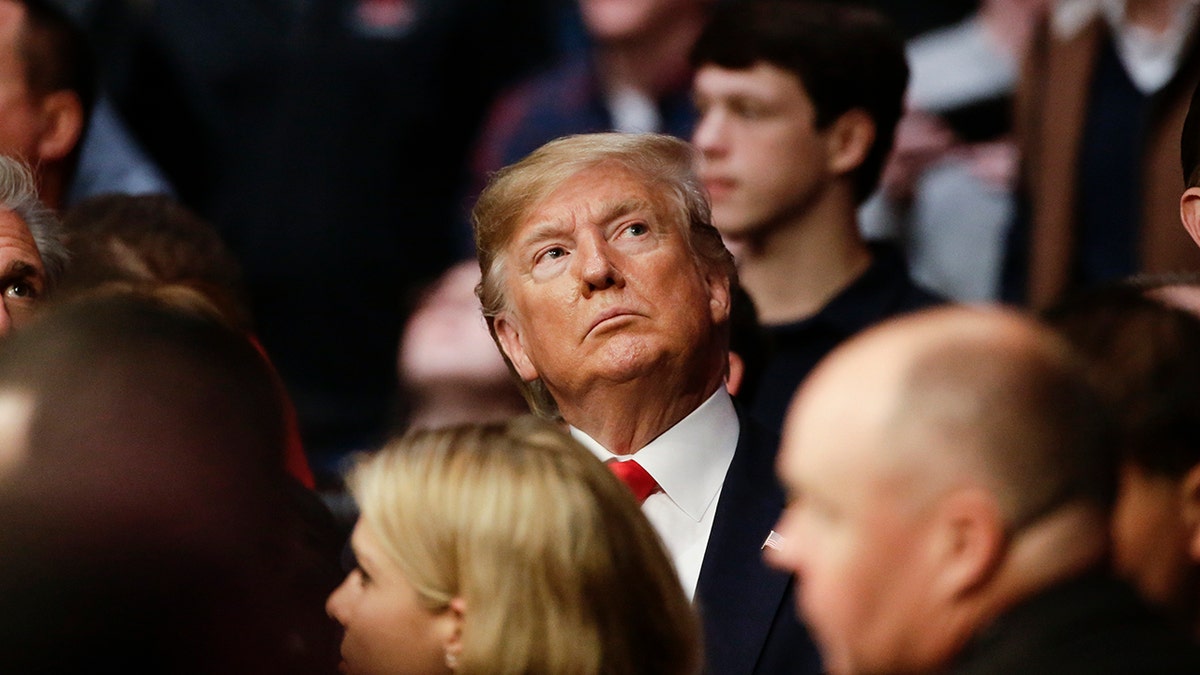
column 1149, row 542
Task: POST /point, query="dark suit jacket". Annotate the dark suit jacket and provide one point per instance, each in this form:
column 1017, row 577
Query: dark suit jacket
column 1092, row 624
column 1051, row 116
column 749, row 615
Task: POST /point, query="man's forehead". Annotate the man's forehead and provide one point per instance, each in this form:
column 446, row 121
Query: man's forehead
column 16, row 242
column 596, row 195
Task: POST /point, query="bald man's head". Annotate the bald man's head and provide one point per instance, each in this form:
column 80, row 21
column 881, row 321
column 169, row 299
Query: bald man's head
column 915, row 454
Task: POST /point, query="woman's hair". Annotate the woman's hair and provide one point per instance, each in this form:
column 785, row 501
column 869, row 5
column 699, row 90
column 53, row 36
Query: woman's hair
column 559, row 570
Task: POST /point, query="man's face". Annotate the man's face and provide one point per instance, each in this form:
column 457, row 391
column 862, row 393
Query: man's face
column 615, row 21
column 761, row 156
column 602, row 289
column 851, row 538
column 21, row 118
column 1152, row 540
column 22, row 276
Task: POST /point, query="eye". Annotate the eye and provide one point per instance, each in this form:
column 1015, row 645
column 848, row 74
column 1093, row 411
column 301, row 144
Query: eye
column 21, row 289
column 550, row 254
column 748, row 110
column 364, row 579
column 638, row 229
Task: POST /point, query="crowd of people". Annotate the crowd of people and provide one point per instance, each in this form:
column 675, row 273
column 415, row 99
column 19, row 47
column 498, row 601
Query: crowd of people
column 743, row 337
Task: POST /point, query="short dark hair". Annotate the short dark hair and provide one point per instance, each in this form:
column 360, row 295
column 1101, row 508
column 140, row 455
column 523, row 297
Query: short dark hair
column 1189, row 143
column 845, row 57
column 57, row 53
column 1145, row 358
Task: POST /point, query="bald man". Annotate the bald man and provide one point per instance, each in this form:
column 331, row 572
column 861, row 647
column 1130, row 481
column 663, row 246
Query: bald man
column 950, row 480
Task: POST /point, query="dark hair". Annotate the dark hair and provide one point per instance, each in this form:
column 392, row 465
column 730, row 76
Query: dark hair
column 753, row 345
column 57, row 53
column 845, row 57
column 1145, row 359
column 147, row 242
column 148, row 510
column 1189, row 143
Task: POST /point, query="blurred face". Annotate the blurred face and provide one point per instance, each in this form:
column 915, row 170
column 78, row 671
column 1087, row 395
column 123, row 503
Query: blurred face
column 853, row 543
column 626, row 20
column 388, row 631
column 602, row 289
column 1151, row 539
column 20, row 113
column 761, row 156
column 447, row 338
column 22, row 276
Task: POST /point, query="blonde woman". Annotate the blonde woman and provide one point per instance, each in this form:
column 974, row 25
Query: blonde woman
column 506, row 548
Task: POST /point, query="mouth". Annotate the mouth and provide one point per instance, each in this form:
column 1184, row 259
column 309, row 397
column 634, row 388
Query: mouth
column 717, row 186
column 608, row 317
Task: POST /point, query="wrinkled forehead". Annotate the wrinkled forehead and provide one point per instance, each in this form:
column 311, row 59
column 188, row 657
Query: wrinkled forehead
column 17, row 245
column 594, row 189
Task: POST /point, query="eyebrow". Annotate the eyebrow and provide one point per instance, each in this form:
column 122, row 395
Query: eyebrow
column 611, row 212
column 20, row 270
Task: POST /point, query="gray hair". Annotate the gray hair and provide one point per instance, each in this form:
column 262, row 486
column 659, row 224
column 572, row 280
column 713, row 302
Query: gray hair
column 18, row 193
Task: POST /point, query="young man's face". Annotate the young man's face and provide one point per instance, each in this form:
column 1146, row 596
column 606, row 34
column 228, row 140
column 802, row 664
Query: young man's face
column 762, row 157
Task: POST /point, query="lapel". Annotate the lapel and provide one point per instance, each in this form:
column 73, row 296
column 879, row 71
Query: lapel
column 1061, row 112
column 737, row 595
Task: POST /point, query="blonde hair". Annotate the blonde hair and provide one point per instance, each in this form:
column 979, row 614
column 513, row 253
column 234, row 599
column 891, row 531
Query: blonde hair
column 664, row 162
column 559, row 570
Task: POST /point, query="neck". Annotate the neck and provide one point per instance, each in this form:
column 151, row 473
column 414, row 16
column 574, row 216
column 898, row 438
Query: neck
column 51, row 187
column 656, row 63
column 797, row 267
column 1009, row 24
column 1057, row 548
column 624, row 418
column 1154, row 15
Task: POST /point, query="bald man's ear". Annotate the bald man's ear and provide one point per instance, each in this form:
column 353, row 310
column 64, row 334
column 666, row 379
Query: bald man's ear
column 62, row 125
column 970, row 542
column 848, row 140
column 1189, row 212
column 509, row 335
column 1190, row 503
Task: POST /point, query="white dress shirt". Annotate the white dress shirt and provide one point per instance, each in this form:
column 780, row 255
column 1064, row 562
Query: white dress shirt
column 1150, row 58
column 689, row 461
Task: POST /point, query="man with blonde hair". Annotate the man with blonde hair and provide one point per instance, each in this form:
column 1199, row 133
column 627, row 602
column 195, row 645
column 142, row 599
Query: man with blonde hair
column 608, row 291
column 951, row 475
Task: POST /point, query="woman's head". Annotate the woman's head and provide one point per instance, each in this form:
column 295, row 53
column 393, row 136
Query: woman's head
column 525, row 554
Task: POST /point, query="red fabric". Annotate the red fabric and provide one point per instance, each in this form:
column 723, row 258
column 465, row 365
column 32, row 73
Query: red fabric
column 295, row 461
column 640, row 482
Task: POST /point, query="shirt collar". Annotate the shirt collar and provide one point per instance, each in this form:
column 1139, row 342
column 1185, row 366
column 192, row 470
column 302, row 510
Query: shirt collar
column 690, row 459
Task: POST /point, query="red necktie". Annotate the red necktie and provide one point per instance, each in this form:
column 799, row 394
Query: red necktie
column 641, row 483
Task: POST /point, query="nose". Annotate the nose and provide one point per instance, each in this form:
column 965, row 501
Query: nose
column 335, row 605
column 597, row 269
column 709, row 136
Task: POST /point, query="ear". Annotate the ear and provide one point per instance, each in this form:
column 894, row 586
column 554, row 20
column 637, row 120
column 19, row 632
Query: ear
column 848, row 140
column 62, row 125
column 1189, row 502
column 1189, row 212
column 454, row 616
column 969, row 542
column 733, row 377
column 719, row 296
column 508, row 334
